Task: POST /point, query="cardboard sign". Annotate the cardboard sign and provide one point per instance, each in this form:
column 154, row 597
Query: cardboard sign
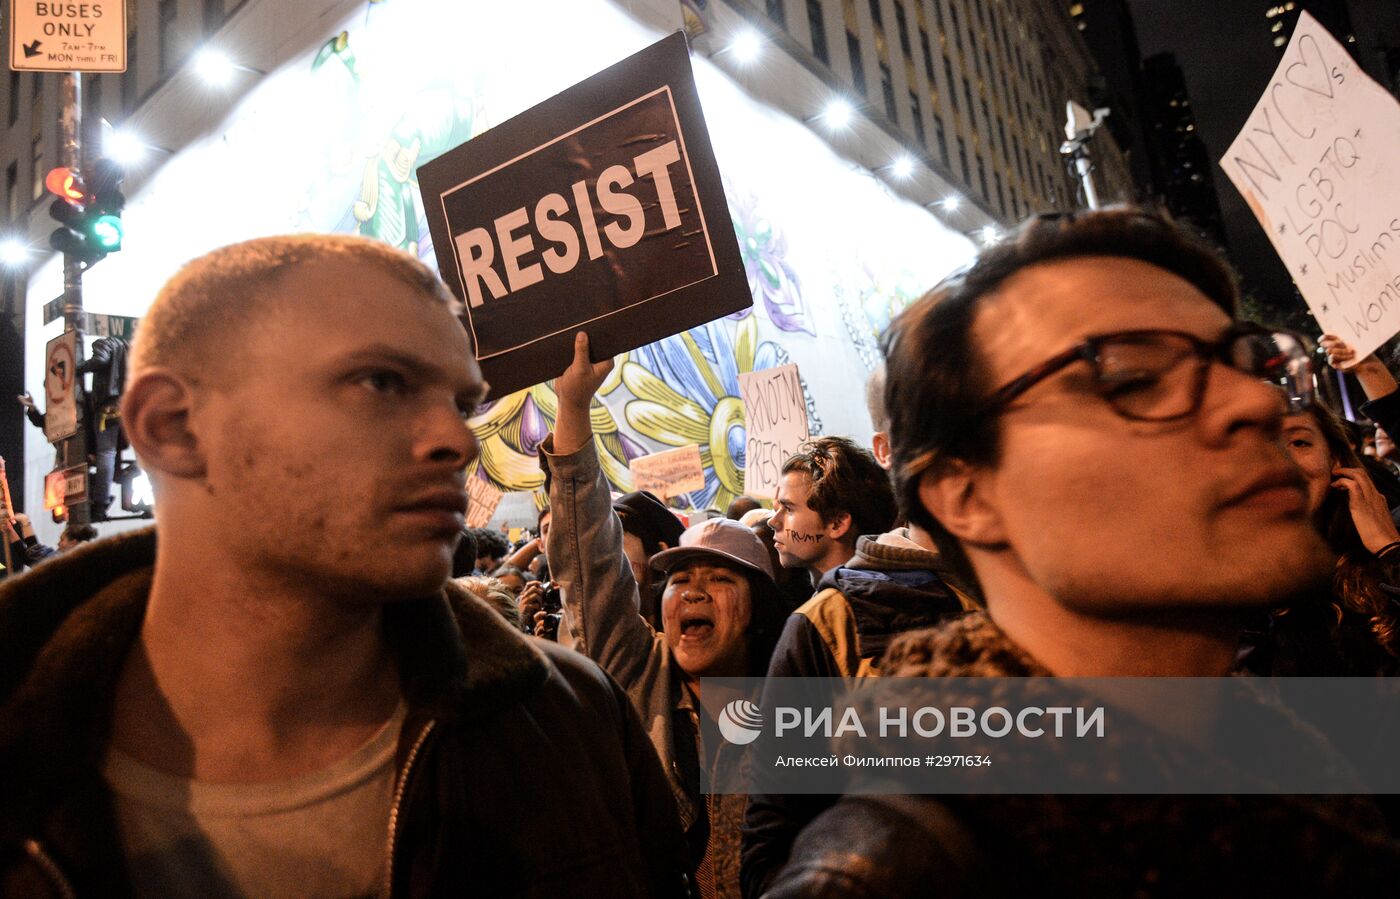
column 482, row 500
column 68, row 37
column 775, row 416
column 1318, row 164
column 60, row 390
column 670, row 473
column 599, row 209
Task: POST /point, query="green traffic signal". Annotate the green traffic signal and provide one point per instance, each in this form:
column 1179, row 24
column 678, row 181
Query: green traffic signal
column 105, row 232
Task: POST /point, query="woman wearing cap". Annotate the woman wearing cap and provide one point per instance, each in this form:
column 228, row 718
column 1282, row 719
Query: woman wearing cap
column 720, row 616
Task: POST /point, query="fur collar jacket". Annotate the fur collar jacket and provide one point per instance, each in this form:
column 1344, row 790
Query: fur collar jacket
column 1088, row 845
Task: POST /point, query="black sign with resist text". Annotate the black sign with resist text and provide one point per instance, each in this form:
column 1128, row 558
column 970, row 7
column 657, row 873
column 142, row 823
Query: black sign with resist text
column 600, row 209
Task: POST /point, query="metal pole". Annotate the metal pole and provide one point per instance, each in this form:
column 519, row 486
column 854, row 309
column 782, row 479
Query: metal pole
column 1086, row 177
column 69, row 156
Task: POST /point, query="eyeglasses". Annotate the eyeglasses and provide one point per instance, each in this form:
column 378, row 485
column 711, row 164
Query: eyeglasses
column 1161, row 375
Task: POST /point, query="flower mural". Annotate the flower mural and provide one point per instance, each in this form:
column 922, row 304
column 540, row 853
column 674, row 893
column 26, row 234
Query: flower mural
column 687, row 391
column 511, row 429
column 868, row 308
column 772, row 280
column 331, row 141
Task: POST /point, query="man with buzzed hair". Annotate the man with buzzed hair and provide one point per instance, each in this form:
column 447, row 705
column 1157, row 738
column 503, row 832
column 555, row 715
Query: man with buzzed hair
column 282, row 696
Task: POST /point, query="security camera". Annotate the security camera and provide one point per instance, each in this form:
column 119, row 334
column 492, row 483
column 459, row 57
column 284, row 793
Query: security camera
column 1079, row 123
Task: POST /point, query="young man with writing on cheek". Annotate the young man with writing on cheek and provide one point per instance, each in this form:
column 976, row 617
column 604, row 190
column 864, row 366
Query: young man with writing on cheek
column 831, row 492
column 895, row 582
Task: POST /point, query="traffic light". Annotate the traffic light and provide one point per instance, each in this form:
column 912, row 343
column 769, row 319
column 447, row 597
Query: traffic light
column 68, row 209
column 106, row 204
column 89, row 215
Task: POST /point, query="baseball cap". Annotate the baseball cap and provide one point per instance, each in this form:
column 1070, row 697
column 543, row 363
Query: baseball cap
column 644, row 514
column 721, row 538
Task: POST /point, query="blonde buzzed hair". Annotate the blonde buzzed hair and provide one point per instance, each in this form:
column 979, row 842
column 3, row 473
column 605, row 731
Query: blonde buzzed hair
column 875, row 400
column 210, row 304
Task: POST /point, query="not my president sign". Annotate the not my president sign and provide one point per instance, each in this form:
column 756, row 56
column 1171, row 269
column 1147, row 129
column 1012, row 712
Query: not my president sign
column 1318, row 162
column 600, row 209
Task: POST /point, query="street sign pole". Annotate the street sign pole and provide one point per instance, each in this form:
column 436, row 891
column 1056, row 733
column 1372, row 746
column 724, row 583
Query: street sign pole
column 73, row 450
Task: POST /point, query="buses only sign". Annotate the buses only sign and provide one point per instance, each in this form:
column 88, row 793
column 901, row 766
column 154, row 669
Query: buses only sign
column 68, row 37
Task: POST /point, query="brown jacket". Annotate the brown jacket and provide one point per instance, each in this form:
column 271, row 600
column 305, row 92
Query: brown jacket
column 493, row 718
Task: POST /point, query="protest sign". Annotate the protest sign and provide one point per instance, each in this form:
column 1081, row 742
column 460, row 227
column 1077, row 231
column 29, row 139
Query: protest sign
column 670, row 473
column 599, row 209
column 775, row 416
column 1317, row 163
column 482, row 500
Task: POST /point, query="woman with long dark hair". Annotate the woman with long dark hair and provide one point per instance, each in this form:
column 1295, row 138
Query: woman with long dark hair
column 1356, row 629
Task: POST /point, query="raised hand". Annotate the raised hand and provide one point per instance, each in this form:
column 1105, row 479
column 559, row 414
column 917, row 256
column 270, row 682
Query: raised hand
column 1369, row 511
column 1371, row 372
column 575, row 389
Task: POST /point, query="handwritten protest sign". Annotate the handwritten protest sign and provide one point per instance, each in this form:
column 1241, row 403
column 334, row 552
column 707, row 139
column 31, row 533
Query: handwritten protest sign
column 600, row 208
column 1318, row 162
column 670, row 473
column 775, row 415
column 483, row 498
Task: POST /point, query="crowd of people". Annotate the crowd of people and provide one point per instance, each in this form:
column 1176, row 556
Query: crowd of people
column 310, row 679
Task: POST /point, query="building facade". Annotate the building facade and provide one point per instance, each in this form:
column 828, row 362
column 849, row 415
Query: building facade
column 1181, row 168
column 329, row 109
column 977, row 88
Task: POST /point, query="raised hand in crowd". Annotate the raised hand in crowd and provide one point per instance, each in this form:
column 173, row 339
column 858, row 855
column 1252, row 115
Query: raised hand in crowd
column 1369, row 510
column 1373, row 375
column 530, row 600
column 1382, row 407
column 575, row 389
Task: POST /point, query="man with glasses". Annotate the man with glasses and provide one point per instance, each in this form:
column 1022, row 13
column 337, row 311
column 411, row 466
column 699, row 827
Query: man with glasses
column 1094, row 443
column 1090, row 438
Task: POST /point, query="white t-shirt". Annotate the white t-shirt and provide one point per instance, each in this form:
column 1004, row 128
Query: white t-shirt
column 323, row 834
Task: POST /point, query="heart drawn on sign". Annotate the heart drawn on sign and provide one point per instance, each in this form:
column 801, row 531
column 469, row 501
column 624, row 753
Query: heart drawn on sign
column 1314, row 76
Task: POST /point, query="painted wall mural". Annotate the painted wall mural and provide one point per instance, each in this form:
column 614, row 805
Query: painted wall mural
column 331, row 141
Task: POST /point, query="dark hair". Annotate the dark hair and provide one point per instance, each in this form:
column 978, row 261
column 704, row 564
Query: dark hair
column 647, row 518
column 506, row 570
column 846, row 478
column 936, row 386
column 1358, row 575
column 464, row 556
column 741, row 505
column 768, row 613
column 546, row 512
column 81, row 533
column 489, row 543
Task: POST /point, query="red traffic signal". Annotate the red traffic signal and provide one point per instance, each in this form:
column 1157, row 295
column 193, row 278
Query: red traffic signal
column 64, row 182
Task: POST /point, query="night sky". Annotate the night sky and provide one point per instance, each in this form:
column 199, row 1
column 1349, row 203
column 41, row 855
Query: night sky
column 1224, row 50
